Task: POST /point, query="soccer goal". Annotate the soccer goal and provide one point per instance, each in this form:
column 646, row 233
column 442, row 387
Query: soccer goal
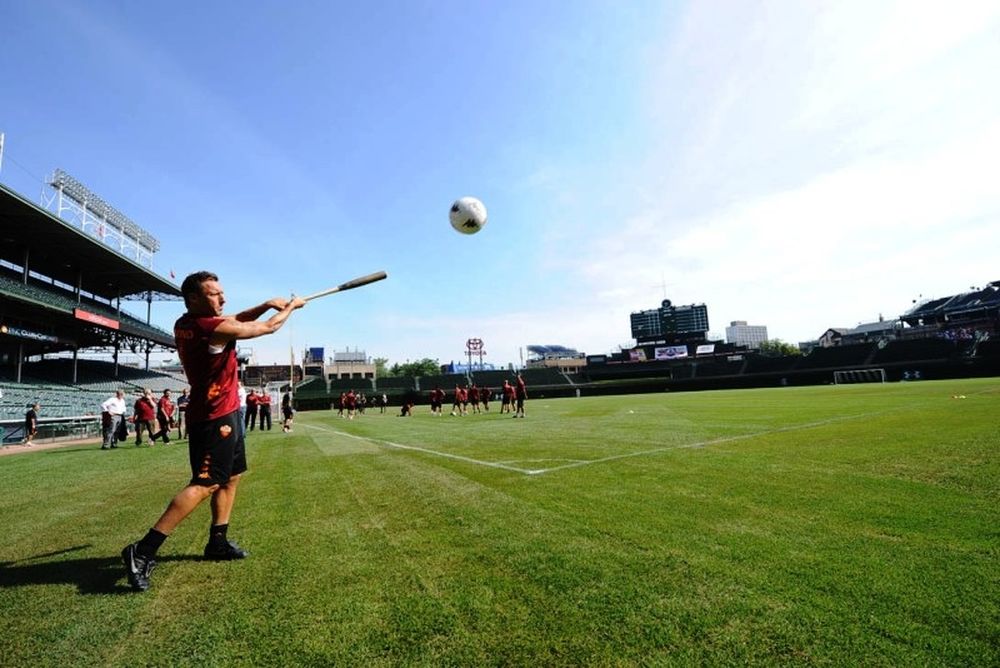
column 859, row 376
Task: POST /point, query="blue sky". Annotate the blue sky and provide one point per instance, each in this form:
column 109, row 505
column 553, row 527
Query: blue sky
column 795, row 165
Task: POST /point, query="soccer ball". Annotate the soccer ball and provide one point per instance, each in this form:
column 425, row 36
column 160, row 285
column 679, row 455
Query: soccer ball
column 467, row 215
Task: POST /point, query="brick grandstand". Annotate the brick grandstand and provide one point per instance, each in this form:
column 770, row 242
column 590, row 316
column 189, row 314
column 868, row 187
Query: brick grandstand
column 61, row 292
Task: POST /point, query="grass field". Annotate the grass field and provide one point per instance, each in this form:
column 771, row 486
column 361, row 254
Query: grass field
column 847, row 525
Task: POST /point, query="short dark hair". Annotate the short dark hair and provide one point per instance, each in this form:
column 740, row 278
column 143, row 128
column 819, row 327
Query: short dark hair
column 192, row 284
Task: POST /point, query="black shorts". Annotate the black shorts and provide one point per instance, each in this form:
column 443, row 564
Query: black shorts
column 216, row 450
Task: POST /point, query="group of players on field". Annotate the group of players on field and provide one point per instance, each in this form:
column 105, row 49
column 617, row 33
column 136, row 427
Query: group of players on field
column 465, row 400
column 512, row 396
column 353, row 403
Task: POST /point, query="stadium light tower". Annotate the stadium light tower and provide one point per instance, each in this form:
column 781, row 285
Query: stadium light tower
column 99, row 219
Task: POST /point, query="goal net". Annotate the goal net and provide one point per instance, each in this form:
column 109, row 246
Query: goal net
column 859, row 376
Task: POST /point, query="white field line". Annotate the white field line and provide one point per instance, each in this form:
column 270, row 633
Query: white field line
column 702, row 444
column 602, row 460
column 400, row 446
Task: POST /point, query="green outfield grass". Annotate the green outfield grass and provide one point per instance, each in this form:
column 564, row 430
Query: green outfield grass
column 847, row 525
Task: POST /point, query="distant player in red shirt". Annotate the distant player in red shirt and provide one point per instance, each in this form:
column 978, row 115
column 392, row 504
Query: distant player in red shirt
column 144, row 414
column 264, row 405
column 164, row 416
column 508, row 397
column 206, row 344
column 437, row 398
column 474, row 398
column 485, row 394
column 351, row 401
column 458, row 406
column 520, row 394
column 252, row 402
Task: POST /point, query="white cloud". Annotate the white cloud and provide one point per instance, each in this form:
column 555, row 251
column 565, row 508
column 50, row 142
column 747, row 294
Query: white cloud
column 832, row 165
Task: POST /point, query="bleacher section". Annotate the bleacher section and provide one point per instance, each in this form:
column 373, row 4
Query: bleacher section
column 311, row 388
column 65, row 302
column 338, row 385
column 720, row 367
column 917, row 349
column 850, row 356
column 392, row 384
column 493, row 379
column 98, row 375
column 544, row 376
column 988, row 349
column 65, row 402
column 762, row 364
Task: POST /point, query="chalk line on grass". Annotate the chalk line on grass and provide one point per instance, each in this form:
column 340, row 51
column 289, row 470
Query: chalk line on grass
column 400, row 446
column 702, row 444
column 602, row 460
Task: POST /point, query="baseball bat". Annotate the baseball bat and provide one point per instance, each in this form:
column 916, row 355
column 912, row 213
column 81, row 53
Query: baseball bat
column 349, row 285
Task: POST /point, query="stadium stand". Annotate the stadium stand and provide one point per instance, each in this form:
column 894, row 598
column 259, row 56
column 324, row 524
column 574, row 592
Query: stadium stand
column 918, row 349
column 848, row 356
column 64, row 301
column 312, row 384
column 338, row 385
column 764, row 364
column 99, row 375
column 58, row 284
column 446, row 382
column 710, row 368
column 544, row 376
column 493, row 378
column 394, row 383
column 988, row 349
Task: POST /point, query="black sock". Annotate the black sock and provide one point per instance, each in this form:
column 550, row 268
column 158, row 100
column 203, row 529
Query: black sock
column 217, row 534
column 152, row 541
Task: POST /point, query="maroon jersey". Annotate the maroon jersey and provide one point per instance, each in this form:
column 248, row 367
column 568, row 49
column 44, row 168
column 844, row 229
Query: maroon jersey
column 211, row 370
column 166, row 406
column 144, row 409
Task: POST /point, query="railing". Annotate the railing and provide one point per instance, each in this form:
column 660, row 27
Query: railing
column 52, row 429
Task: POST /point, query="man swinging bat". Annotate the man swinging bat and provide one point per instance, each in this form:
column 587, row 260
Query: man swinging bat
column 206, row 344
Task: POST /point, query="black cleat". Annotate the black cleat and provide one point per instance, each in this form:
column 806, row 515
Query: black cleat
column 137, row 567
column 225, row 552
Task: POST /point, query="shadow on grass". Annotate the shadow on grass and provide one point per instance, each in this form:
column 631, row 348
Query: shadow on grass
column 97, row 575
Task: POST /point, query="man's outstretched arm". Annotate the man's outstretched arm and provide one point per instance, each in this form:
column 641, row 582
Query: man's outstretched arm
column 237, row 328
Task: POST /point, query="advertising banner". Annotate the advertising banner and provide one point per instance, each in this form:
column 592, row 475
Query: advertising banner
column 671, row 352
column 80, row 314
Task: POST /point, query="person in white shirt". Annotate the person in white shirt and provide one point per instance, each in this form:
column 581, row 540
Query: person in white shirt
column 112, row 414
column 242, row 391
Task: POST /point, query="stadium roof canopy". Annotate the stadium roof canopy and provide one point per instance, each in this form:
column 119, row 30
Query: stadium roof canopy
column 984, row 303
column 63, row 252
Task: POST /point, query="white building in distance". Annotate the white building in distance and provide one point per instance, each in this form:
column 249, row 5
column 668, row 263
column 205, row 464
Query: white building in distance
column 742, row 334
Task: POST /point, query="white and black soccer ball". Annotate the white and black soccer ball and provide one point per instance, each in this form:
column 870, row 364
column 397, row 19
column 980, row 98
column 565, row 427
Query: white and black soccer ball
column 467, row 215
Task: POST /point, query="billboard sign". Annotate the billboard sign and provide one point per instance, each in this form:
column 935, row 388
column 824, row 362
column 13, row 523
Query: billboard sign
column 80, row 314
column 671, row 352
